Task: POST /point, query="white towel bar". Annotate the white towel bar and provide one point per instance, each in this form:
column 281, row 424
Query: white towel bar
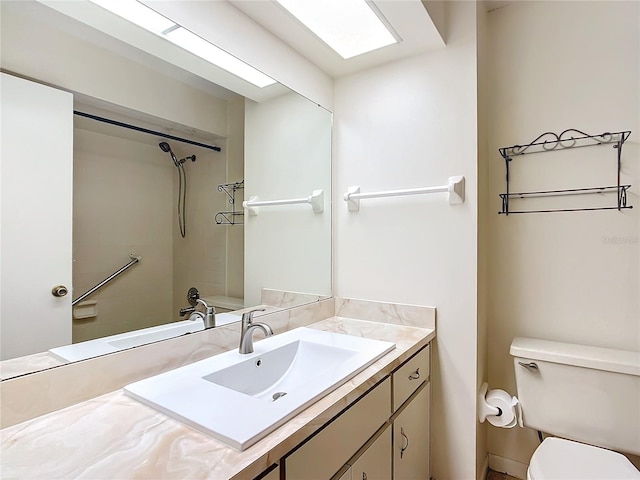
column 316, row 200
column 455, row 188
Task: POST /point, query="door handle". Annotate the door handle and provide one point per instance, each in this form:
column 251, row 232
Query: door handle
column 59, row 291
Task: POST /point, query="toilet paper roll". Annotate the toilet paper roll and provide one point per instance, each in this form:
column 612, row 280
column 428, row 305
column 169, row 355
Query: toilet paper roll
column 509, row 409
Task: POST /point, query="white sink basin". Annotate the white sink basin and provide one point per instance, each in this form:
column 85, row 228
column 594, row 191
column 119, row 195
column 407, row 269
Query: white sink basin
column 239, row 399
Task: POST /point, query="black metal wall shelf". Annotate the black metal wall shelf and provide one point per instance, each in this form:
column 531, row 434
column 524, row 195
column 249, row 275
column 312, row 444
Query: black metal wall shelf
column 569, row 138
column 232, row 217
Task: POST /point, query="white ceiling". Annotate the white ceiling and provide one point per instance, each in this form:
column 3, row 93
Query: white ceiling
column 409, row 18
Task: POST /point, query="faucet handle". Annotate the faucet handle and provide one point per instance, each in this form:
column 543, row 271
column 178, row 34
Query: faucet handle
column 247, row 317
column 184, row 311
column 207, row 307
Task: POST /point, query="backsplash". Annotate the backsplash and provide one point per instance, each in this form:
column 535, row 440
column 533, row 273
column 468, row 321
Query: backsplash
column 395, row 313
column 284, row 299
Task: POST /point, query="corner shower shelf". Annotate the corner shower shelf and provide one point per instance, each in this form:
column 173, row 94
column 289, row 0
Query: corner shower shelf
column 232, row 217
column 569, row 138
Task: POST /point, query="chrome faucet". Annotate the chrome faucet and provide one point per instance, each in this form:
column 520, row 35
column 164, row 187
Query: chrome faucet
column 209, row 314
column 208, row 317
column 248, row 326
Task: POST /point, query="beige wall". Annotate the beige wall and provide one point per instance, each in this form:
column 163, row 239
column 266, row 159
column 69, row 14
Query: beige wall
column 483, row 226
column 404, row 125
column 572, row 276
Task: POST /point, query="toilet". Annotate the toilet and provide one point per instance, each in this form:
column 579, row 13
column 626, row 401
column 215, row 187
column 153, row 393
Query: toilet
column 588, row 398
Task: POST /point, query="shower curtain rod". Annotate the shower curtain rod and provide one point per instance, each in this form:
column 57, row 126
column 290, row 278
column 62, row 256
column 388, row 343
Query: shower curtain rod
column 145, row 130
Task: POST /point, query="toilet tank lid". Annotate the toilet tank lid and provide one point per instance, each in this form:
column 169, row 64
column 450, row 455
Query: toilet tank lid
column 598, row 358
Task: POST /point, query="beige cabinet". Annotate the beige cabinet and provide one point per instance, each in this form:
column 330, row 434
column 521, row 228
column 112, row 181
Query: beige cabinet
column 375, row 462
column 411, row 438
column 383, row 436
column 325, row 453
column 345, row 474
column 273, row 474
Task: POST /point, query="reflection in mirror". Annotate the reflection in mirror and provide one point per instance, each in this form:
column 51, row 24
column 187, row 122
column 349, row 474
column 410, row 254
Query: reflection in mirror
column 128, row 194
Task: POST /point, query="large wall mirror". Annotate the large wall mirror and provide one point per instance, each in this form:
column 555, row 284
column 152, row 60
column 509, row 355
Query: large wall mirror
column 129, row 193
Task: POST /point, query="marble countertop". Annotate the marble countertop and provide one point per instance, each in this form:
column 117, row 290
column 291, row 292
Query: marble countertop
column 115, row 437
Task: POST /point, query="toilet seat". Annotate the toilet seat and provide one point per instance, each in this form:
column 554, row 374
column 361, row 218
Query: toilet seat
column 559, row 459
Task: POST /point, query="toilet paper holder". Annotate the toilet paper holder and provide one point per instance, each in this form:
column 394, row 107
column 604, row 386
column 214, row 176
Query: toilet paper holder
column 499, row 408
column 484, row 408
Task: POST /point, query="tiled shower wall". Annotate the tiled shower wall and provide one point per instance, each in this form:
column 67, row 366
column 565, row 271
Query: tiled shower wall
column 123, row 203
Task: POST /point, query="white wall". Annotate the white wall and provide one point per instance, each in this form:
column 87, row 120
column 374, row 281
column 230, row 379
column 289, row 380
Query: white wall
column 287, row 155
column 571, row 276
column 235, row 173
column 412, row 124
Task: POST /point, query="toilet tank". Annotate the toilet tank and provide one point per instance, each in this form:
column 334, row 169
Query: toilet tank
column 583, row 393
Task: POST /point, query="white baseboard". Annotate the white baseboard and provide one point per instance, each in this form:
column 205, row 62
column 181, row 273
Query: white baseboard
column 484, row 469
column 510, row 467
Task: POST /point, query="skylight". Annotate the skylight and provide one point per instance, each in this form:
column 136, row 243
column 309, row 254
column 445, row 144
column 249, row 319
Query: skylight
column 350, row 27
column 150, row 20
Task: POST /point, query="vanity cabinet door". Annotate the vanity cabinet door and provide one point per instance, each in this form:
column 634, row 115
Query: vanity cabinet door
column 411, row 438
column 375, row 462
column 272, row 475
column 345, row 476
column 330, row 449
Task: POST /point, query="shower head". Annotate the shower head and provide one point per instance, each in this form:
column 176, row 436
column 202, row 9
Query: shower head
column 164, row 146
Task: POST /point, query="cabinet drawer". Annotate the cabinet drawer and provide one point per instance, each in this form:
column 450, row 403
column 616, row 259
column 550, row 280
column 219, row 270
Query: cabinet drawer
column 331, row 448
column 410, row 376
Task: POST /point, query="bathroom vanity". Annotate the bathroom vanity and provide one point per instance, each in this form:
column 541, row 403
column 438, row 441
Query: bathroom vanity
column 378, row 421
column 385, row 431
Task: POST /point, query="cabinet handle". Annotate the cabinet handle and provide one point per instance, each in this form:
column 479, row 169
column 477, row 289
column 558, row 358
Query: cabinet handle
column 406, row 440
column 364, row 475
column 415, row 375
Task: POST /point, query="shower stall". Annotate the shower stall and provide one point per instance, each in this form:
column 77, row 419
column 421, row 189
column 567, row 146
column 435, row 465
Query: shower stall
column 129, row 200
